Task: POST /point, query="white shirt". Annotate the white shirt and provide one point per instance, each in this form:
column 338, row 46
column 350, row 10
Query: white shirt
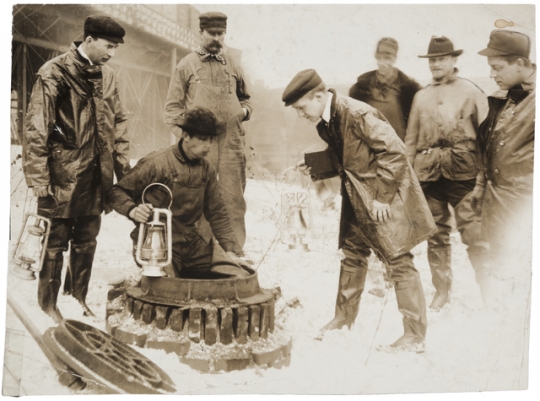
column 327, row 109
column 81, row 51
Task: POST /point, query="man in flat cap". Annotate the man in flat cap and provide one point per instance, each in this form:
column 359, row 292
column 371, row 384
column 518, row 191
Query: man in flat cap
column 504, row 187
column 383, row 207
column 211, row 78
column 387, row 89
column 192, row 179
column 440, row 140
column 74, row 141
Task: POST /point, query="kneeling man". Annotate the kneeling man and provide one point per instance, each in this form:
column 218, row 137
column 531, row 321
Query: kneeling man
column 194, row 186
column 383, row 207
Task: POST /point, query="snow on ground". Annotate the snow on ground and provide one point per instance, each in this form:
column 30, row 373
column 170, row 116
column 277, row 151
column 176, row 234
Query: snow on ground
column 462, row 351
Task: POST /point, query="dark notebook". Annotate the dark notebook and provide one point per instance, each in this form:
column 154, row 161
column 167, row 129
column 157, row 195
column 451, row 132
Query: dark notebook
column 321, row 165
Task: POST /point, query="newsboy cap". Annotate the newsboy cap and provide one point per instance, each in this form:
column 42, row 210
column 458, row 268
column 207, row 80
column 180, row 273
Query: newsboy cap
column 387, row 46
column 200, row 121
column 301, row 84
column 104, row 27
column 213, row 20
column 507, row 43
column 440, row 46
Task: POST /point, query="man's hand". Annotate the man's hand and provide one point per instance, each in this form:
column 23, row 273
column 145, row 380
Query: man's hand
column 239, row 261
column 177, row 131
column 141, row 213
column 303, row 167
column 477, row 199
column 42, row 191
column 381, row 212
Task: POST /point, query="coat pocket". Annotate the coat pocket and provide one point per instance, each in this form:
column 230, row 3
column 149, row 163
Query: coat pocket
column 63, row 166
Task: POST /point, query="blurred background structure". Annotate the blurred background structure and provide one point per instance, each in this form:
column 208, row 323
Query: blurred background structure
column 158, row 36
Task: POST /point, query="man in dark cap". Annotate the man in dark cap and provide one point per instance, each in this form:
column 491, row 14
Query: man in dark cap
column 74, row 141
column 387, row 89
column 211, row 78
column 440, row 141
column 383, row 207
column 192, row 180
column 504, row 187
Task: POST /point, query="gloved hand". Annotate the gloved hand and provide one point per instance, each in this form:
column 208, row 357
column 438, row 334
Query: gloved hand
column 477, row 199
column 42, row 191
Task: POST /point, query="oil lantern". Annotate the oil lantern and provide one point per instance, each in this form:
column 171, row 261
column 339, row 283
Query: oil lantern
column 154, row 245
column 29, row 251
column 296, row 219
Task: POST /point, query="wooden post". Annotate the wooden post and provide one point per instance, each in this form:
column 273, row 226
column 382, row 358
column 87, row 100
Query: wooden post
column 195, row 325
column 242, row 324
column 226, row 326
column 254, row 322
column 210, row 325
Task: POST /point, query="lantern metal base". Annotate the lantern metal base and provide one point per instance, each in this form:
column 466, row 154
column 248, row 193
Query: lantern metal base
column 22, row 272
column 153, row 271
column 299, row 247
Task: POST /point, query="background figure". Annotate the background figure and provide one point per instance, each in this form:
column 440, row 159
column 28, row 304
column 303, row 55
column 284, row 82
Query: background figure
column 387, row 89
column 386, row 213
column 210, row 78
column 440, row 143
column 74, row 140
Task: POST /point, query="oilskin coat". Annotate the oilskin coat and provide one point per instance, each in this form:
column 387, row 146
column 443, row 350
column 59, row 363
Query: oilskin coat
column 75, row 136
column 505, row 146
column 372, row 162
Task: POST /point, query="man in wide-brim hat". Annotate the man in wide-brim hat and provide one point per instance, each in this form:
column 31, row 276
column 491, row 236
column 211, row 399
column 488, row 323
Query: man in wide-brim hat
column 440, row 139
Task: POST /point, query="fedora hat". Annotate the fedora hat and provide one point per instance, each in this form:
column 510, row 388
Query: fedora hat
column 440, row 46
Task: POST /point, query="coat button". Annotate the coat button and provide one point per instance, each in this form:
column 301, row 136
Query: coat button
column 501, row 143
column 496, row 171
column 489, row 182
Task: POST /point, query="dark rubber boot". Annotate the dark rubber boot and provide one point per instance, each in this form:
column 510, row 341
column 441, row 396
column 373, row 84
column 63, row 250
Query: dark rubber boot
column 50, row 278
column 81, row 269
column 440, row 259
column 412, row 304
column 350, row 288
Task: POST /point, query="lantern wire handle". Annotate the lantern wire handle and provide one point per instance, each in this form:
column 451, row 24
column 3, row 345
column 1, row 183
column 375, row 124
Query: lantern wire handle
column 163, row 185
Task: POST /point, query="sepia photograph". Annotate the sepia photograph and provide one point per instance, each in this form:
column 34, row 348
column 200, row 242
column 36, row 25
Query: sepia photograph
column 269, row 199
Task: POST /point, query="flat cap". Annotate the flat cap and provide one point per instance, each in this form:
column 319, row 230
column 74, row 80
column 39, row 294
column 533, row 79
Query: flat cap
column 104, row 27
column 387, row 46
column 301, row 84
column 213, row 20
column 200, row 121
column 507, row 43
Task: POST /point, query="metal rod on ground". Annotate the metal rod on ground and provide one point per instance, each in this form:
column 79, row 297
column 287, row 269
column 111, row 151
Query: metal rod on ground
column 66, row 375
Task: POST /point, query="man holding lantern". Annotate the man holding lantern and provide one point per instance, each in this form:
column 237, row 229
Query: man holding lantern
column 193, row 183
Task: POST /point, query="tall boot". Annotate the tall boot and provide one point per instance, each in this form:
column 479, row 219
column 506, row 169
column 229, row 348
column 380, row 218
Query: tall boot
column 350, row 288
column 478, row 255
column 81, row 260
column 412, row 304
column 440, row 259
column 50, row 278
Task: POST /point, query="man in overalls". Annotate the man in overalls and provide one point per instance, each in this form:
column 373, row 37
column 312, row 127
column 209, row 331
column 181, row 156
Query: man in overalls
column 207, row 77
